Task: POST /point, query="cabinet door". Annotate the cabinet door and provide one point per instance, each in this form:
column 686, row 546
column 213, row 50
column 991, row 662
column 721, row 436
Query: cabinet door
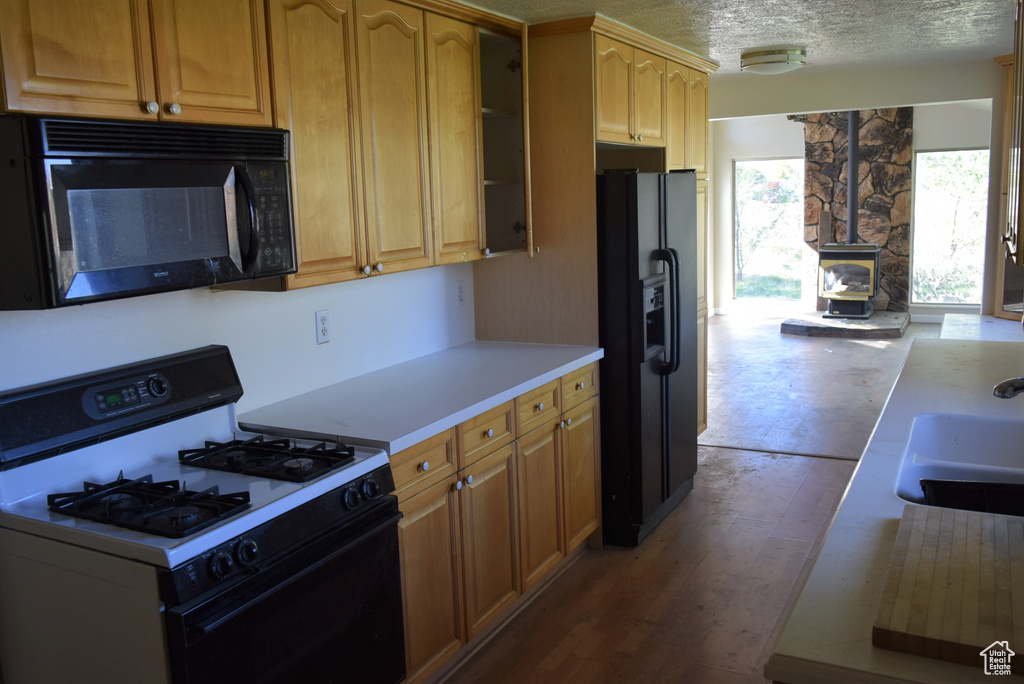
column 697, row 124
column 389, row 50
column 90, row 57
column 490, row 539
column 580, row 439
column 456, row 140
column 429, row 543
column 314, row 61
column 211, row 60
column 648, row 98
column 613, row 88
column 540, row 500
column 677, row 90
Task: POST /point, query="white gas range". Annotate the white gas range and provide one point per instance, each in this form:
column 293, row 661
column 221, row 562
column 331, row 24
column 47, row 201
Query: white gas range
column 166, row 544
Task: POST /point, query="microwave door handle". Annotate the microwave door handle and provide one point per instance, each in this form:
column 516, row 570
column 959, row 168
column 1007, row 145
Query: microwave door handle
column 249, row 256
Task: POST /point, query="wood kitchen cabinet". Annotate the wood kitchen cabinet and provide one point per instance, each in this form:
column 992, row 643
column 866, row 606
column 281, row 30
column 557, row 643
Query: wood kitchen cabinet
column 629, row 96
column 314, row 94
column 580, row 443
column 181, row 60
column 686, row 145
column 540, row 502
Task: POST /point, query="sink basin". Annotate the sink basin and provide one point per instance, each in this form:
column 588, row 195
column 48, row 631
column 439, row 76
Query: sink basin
column 946, row 446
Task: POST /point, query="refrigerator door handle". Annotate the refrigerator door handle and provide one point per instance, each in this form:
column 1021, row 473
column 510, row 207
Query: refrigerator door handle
column 677, row 317
column 671, row 257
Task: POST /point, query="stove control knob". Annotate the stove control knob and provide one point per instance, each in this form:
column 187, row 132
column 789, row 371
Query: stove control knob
column 351, row 498
column 247, row 552
column 221, row 565
column 157, row 386
column 371, row 490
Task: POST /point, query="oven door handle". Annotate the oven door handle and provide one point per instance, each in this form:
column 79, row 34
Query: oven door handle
column 250, row 254
column 201, row 629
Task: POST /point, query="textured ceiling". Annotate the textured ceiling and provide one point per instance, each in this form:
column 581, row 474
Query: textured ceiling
column 836, row 33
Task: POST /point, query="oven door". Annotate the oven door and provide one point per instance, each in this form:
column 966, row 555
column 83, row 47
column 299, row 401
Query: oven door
column 128, row 227
column 329, row 611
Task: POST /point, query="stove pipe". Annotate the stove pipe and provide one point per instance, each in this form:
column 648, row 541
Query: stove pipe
column 852, row 175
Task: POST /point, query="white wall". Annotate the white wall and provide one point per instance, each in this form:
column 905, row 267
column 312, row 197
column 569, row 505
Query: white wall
column 375, row 322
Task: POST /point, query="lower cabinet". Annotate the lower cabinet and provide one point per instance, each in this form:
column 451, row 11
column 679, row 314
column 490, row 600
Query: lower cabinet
column 488, row 516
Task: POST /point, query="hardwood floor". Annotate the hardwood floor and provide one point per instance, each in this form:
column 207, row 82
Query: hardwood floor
column 704, row 598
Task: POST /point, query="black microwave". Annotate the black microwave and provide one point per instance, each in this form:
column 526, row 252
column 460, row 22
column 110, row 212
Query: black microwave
column 95, row 209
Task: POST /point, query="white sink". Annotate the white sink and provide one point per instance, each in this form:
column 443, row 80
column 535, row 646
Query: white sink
column 947, row 446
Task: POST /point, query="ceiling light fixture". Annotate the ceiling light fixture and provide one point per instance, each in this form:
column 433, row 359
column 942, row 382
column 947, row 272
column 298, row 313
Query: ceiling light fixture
column 777, row 61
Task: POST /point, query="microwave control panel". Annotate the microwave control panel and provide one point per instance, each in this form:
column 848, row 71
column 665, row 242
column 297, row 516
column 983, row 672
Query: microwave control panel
column 273, row 206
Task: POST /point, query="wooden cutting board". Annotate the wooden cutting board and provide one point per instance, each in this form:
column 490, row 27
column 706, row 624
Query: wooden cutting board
column 955, row 585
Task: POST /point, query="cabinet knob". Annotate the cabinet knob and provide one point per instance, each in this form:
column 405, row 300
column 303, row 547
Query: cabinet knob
column 490, row 432
column 582, row 385
column 380, row 267
column 487, row 251
column 640, row 137
column 366, row 269
column 152, row 107
column 562, row 424
column 458, row 485
column 174, row 108
column 425, row 466
column 469, row 479
column 568, row 421
column 540, row 406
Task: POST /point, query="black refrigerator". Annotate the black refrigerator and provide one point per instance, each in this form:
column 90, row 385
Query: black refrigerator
column 647, row 284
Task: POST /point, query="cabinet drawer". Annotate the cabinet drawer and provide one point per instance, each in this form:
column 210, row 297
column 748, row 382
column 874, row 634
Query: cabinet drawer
column 579, row 385
column 486, row 432
column 535, row 407
column 419, row 465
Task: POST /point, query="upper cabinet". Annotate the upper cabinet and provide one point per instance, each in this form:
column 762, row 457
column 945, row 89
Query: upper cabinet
column 687, row 139
column 393, row 117
column 629, row 95
column 190, row 60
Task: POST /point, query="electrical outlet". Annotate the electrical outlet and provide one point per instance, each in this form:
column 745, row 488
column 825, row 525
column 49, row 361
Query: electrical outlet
column 323, row 327
column 460, row 293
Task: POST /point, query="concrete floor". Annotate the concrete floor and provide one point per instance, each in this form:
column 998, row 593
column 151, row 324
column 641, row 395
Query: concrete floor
column 797, row 395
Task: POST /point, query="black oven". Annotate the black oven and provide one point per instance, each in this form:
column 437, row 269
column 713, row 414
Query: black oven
column 327, row 610
column 99, row 210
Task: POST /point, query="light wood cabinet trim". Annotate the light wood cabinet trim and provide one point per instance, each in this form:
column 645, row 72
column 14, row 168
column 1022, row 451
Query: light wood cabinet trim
column 527, row 173
column 438, row 451
column 87, row 59
column 455, row 124
column 430, row 543
column 490, row 538
column 529, row 415
column 702, row 370
column 626, row 34
column 702, row 244
column 313, row 49
column 393, row 116
column 206, row 76
column 581, row 471
column 474, row 443
column 541, row 531
column 470, row 15
column 572, row 393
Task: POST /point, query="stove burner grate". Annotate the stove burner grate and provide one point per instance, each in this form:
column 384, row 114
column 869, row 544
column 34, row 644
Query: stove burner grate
column 162, row 508
column 276, row 459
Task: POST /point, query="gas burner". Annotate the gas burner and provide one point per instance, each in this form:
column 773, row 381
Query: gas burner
column 162, row 508
column 276, row 459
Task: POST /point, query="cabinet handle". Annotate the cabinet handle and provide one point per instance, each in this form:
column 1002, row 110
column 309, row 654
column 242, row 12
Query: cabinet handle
column 366, row 269
column 540, row 406
column 458, row 485
column 568, row 421
column 425, row 466
column 380, row 267
column 469, row 479
column 490, row 432
column 152, row 107
column 174, row 108
column 582, row 385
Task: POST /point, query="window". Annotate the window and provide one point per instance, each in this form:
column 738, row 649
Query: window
column 769, row 228
column 950, row 213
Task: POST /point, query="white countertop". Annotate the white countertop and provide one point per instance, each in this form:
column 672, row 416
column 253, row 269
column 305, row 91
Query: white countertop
column 828, row 636
column 399, row 406
column 975, row 327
